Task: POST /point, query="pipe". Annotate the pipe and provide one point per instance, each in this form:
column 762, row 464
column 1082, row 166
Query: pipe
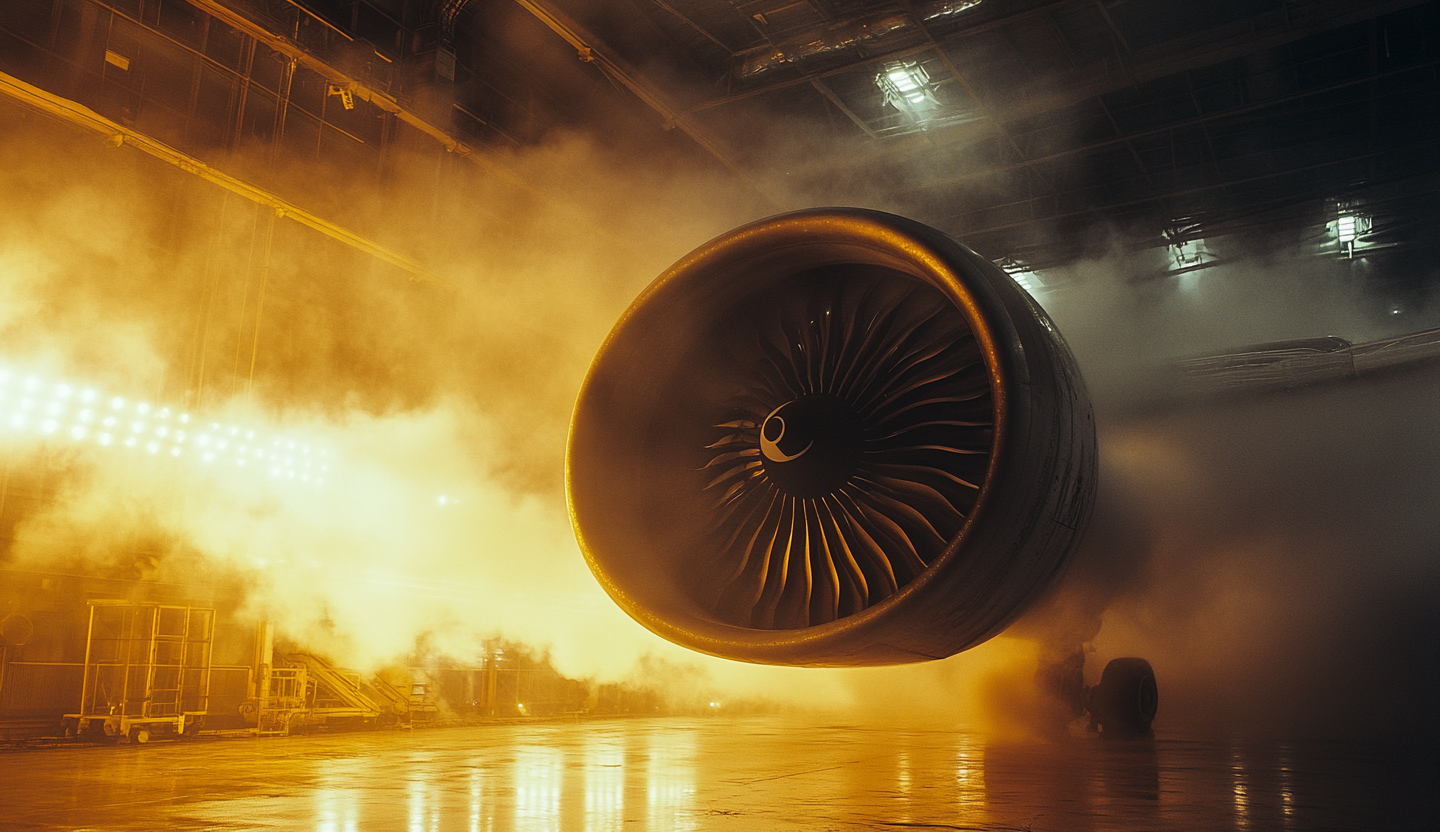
column 264, row 659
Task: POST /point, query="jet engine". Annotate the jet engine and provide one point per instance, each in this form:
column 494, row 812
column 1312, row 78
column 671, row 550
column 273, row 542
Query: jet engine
column 831, row 437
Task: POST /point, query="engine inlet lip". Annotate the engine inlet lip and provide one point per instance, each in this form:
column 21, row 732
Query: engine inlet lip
column 819, row 237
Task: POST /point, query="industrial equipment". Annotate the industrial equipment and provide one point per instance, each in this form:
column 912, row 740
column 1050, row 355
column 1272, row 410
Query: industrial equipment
column 835, row 437
column 147, row 672
column 287, row 705
column 409, row 703
column 832, row 437
column 308, row 692
column 305, row 692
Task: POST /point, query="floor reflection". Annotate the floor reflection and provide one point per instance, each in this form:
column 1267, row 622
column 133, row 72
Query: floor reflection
column 537, row 771
column 604, row 783
column 336, row 798
column 664, row 775
column 970, row 779
column 1240, row 788
column 424, row 803
column 670, row 777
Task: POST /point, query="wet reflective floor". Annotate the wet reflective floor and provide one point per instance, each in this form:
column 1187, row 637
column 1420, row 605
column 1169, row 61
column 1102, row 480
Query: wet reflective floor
column 711, row 774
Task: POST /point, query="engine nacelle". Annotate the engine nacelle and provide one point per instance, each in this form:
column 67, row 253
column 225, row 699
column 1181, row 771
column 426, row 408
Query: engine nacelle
column 831, row 437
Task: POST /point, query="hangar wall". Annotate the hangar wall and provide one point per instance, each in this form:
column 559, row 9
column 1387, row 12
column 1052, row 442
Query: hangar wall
column 273, row 97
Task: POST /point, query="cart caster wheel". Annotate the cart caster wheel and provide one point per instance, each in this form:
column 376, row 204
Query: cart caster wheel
column 139, row 736
column 71, row 729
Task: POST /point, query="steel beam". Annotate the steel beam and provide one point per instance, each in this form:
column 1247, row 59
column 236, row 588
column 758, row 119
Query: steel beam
column 693, row 25
column 382, row 100
column 888, row 56
column 1110, row 78
column 117, row 135
column 1128, row 138
column 972, row 233
column 1081, row 89
column 824, row 89
column 593, row 51
column 358, row 88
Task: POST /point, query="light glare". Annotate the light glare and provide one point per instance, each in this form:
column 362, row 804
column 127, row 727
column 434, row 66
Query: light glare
column 55, row 421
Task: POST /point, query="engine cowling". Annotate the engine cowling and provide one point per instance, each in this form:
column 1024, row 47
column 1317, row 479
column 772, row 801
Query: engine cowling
column 831, row 437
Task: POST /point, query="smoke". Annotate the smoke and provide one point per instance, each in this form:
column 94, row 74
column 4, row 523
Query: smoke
column 1126, row 316
column 442, row 411
column 1273, row 559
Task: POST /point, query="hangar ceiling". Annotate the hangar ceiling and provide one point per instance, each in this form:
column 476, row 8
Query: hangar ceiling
column 1036, row 131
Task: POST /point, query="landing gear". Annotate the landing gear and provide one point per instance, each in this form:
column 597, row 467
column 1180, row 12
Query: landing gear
column 1123, row 705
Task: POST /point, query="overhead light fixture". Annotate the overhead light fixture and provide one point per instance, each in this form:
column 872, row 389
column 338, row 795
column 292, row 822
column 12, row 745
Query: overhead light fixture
column 1349, row 227
column 907, row 87
column 1187, row 251
column 946, row 8
column 1187, row 254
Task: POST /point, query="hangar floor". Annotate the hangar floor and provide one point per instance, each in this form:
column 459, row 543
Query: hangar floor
column 715, row 774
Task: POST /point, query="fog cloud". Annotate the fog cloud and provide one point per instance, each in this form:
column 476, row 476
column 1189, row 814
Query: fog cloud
column 1275, row 558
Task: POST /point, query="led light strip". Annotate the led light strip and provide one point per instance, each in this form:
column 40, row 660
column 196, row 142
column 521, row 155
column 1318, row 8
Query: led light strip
column 30, row 405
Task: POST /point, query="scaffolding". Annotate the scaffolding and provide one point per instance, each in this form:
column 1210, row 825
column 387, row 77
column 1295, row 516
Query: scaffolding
column 147, row 671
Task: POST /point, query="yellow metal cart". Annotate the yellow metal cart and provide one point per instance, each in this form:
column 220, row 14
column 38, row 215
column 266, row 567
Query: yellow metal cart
column 147, row 672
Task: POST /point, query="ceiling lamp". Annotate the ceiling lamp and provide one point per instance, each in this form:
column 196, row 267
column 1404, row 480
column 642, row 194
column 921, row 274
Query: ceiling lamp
column 1349, row 227
column 947, row 8
column 907, row 87
column 1187, row 254
column 1186, row 248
